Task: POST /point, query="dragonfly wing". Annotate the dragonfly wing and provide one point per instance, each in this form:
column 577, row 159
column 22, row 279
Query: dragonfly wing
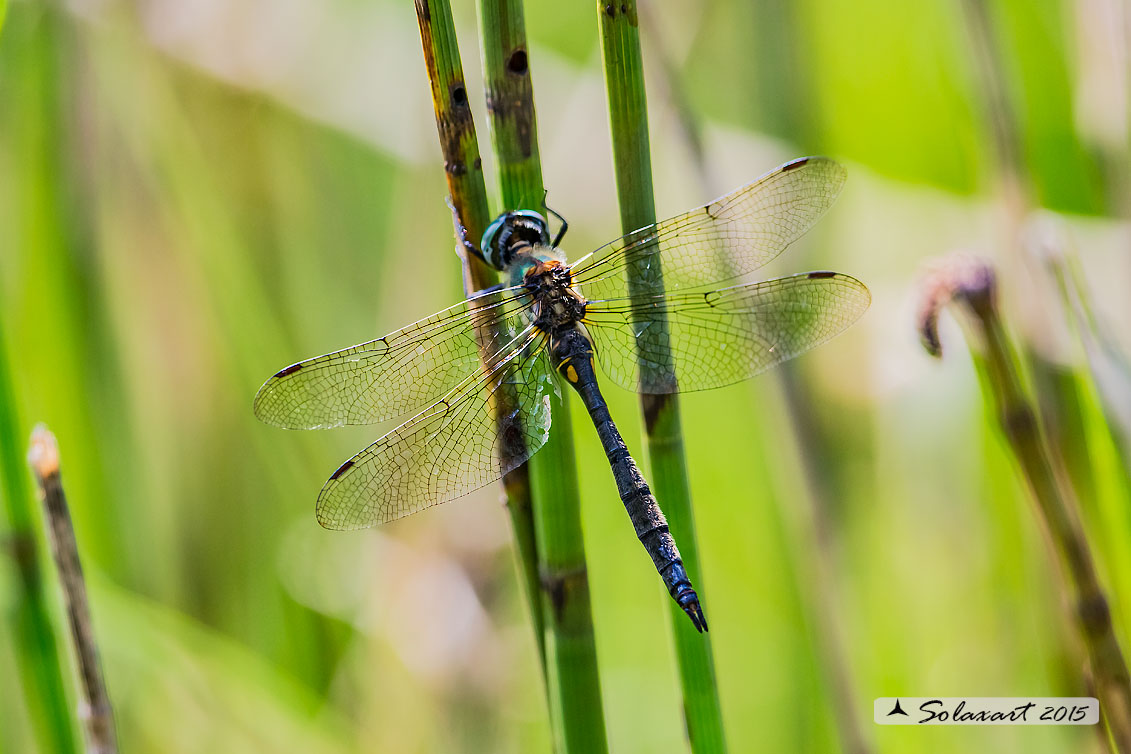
column 485, row 427
column 731, row 236
column 696, row 341
column 394, row 375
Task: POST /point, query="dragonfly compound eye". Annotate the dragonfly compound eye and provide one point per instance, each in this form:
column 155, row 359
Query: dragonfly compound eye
column 510, row 232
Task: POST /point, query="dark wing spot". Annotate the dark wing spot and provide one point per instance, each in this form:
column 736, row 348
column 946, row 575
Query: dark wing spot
column 341, row 470
column 289, row 370
column 795, row 164
column 821, row 274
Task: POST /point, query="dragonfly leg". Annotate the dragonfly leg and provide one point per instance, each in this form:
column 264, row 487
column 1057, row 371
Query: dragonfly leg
column 461, row 232
column 562, row 230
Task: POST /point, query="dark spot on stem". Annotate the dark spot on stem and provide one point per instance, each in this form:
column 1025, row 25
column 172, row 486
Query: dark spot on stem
column 513, row 441
column 624, row 9
column 554, row 586
column 1094, row 614
column 423, row 10
column 610, row 10
column 478, row 164
column 459, row 96
column 560, row 585
column 653, row 405
column 1019, row 422
column 517, row 63
column 22, row 549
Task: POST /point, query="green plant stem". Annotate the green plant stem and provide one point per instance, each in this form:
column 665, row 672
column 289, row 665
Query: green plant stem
column 572, row 670
column 1093, row 615
column 817, row 536
column 43, row 201
column 628, row 120
column 1108, row 367
column 464, row 171
column 975, row 288
column 33, row 632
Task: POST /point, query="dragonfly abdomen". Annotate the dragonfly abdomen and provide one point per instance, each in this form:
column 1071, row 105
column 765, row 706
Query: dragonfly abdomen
column 573, row 358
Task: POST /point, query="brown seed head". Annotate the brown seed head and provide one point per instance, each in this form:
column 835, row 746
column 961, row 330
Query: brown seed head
column 960, row 277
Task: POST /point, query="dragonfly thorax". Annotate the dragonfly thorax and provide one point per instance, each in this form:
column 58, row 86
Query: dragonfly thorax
column 557, row 306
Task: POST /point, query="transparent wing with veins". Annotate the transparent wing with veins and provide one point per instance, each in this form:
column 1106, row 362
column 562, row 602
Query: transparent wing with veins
column 394, row 375
column 487, row 425
column 731, row 236
column 696, row 341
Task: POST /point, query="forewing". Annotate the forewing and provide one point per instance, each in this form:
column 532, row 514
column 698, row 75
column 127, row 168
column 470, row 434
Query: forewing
column 731, row 236
column 484, row 428
column 721, row 337
column 394, row 375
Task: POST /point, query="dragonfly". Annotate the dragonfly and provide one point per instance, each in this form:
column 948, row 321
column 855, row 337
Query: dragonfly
column 480, row 380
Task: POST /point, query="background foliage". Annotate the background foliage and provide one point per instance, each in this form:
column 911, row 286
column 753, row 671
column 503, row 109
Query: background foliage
column 194, row 194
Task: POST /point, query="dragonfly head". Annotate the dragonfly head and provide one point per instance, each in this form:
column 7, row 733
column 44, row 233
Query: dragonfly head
column 512, row 232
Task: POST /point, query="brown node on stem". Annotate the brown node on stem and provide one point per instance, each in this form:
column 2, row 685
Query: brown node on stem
column 43, row 454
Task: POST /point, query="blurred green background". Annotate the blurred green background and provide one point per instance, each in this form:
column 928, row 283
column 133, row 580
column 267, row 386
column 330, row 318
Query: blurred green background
column 194, row 194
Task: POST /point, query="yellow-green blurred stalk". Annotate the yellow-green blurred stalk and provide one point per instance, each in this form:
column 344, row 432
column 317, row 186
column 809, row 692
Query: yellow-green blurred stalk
column 34, row 636
column 972, row 284
column 46, row 682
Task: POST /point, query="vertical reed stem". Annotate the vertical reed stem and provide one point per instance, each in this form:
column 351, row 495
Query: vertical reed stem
column 572, row 670
column 628, row 120
column 464, row 171
column 817, row 536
